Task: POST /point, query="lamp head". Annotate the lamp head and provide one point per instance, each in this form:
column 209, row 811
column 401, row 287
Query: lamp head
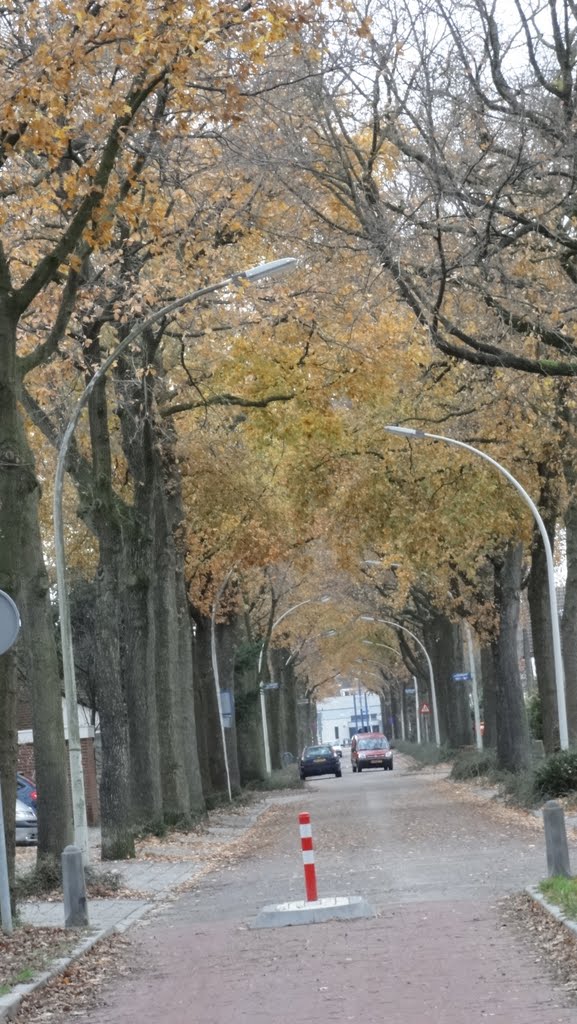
column 273, row 269
column 404, row 431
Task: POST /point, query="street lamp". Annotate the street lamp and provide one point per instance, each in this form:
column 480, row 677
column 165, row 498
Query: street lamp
column 263, row 270
column 293, row 608
column 374, row 643
column 557, row 654
column 397, row 625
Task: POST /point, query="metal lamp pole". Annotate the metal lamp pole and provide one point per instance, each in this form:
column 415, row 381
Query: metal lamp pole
column 263, row 270
column 397, row 625
column 557, row 653
column 265, row 736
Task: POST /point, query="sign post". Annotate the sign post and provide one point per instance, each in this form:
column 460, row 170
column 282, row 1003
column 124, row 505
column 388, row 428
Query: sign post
column 9, row 629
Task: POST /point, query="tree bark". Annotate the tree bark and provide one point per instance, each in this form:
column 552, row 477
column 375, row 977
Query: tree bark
column 44, row 686
column 538, row 596
column 248, row 716
column 489, row 674
column 18, row 502
column 212, row 764
column 443, row 643
column 115, row 805
column 175, row 797
column 512, row 726
column 569, row 617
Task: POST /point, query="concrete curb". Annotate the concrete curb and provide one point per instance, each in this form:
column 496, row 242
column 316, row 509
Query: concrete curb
column 552, row 910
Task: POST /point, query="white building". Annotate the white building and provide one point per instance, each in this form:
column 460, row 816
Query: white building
column 355, row 709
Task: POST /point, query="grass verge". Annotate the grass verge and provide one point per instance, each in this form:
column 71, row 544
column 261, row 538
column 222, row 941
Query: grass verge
column 563, row 893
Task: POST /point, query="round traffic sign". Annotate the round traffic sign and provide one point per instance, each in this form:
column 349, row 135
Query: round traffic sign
column 9, row 622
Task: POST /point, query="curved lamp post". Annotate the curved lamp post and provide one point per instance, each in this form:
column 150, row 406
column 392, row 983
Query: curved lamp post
column 293, row 608
column 397, row 625
column 557, row 653
column 263, row 270
column 374, row 643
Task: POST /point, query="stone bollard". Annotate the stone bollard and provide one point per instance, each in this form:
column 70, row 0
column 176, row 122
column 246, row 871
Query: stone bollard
column 556, row 840
column 75, row 903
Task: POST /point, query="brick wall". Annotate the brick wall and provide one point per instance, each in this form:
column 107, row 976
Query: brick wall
column 26, row 766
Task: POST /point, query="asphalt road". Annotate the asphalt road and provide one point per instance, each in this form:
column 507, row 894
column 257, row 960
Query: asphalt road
column 431, row 861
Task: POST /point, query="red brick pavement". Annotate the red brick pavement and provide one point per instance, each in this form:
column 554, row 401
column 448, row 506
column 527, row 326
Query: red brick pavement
column 418, row 963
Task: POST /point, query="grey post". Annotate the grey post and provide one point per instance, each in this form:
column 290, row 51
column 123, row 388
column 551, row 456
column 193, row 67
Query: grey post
column 556, row 840
column 75, row 903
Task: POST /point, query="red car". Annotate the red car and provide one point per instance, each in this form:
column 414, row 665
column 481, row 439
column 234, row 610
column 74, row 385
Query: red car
column 371, row 750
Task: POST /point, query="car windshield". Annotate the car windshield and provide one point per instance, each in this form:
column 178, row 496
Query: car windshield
column 373, row 744
column 318, row 751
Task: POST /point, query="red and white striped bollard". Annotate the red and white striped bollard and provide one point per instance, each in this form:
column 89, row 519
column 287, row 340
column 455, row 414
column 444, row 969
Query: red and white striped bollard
column 308, row 856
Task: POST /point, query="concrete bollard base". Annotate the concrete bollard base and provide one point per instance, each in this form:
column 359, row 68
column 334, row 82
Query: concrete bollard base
column 330, row 908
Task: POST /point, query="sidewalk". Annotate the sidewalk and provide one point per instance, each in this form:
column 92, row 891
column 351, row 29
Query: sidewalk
column 163, row 869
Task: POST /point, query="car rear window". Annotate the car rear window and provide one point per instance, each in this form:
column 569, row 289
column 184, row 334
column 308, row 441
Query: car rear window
column 317, row 751
column 380, row 743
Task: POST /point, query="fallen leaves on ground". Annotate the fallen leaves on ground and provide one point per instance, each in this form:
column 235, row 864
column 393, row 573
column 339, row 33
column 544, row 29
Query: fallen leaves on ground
column 553, row 945
column 79, row 988
column 28, row 951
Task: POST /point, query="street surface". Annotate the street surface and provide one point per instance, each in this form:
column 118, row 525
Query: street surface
column 434, row 864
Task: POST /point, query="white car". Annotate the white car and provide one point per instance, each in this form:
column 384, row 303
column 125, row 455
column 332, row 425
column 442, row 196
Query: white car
column 337, row 749
column 26, row 825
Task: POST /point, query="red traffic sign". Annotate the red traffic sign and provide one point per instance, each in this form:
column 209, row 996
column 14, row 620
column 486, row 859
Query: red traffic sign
column 425, row 709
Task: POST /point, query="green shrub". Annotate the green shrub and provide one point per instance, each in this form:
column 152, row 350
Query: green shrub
column 471, row 764
column 280, row 778
column 425, row 753
column 518, row 788
column 557, row 775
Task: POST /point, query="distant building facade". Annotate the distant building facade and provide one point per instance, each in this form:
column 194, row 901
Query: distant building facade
column 354, row 710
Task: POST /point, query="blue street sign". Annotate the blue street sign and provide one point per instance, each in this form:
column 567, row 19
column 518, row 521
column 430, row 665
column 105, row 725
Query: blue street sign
column 461, row 677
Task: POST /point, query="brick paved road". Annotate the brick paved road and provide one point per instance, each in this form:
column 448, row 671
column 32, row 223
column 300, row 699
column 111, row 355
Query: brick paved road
column 432, row 866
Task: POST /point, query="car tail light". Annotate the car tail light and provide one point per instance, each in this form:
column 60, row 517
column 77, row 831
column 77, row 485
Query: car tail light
column 34, row 795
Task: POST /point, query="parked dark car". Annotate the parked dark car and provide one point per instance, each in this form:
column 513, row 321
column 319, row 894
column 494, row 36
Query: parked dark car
column 26, row 825
column 26, row 791
column 371, row 750
column 319, row 760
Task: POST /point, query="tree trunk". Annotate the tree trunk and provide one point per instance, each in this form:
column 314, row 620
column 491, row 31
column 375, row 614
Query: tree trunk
column 45, row 689
column 512, row 726
column 489, row 675
column 137, row 657
column 538, row 596
column 228, row 636
column 115, row 804
column 212, row 764
column 180, row 627
column 17, row 483
column 249, row 728
column 197, row 803
column 443, row 643
column 175, row 797
column 248, row 715
column 569, row 619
